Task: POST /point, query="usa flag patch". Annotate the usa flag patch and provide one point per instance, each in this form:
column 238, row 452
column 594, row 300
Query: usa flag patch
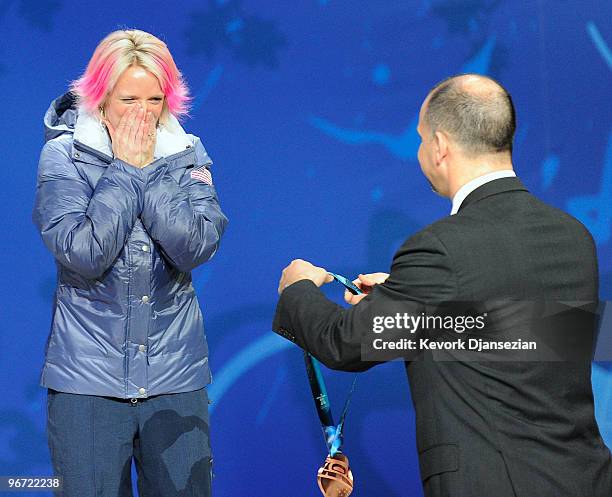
column 202, row 174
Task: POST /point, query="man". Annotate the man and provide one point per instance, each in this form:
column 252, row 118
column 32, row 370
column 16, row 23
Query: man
column 484, row 429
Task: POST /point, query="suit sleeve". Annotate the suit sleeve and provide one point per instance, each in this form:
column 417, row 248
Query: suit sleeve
column 421, row 274
column 85, row 229
column 184, row 218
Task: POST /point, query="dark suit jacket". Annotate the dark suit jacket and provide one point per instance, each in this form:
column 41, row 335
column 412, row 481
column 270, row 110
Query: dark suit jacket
column 484, row 429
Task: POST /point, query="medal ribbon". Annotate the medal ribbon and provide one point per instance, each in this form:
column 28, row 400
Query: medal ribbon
column 331, row 431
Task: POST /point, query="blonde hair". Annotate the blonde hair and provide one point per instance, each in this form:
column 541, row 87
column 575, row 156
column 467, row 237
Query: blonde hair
column 120, row 50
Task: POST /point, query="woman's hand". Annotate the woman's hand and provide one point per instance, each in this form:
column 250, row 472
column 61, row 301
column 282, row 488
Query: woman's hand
column 134, row 139
column 365, row 282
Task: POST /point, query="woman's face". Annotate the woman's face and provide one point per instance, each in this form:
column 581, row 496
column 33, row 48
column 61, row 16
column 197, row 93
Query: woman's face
column 136, row 86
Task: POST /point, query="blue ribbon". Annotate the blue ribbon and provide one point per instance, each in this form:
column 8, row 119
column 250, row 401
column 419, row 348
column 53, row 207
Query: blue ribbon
column 332, row 432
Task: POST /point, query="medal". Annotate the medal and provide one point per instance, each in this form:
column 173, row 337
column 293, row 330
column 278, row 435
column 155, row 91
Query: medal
column 335, row 478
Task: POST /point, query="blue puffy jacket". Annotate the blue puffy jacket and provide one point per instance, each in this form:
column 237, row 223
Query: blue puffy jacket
column 126, row 320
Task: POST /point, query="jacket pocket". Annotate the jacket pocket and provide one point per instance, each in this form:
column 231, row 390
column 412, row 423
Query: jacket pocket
column 438, row 459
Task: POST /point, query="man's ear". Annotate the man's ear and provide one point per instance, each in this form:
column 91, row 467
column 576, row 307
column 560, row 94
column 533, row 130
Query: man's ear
column 441, row 146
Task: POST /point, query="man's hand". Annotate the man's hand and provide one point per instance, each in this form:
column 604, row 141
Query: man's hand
column 365, row 282
column 134, row 139
column 303, row 270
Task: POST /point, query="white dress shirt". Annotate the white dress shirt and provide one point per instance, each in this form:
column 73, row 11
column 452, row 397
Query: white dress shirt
column 470, row 186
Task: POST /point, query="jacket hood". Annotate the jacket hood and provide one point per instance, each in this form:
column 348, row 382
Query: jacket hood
column 61, row 116
column 65, row 116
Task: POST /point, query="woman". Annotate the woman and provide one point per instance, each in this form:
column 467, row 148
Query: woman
column 126, row 205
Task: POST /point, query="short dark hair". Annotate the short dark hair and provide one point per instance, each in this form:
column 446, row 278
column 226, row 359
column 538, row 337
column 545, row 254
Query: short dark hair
column 481, row 120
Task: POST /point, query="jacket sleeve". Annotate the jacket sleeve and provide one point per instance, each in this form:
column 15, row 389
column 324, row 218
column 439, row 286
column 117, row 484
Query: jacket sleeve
column 183, row 218
column 421, row 273
column 85, row 229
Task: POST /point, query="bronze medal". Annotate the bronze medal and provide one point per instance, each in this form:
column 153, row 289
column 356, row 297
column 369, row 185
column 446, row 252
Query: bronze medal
column 335, row 478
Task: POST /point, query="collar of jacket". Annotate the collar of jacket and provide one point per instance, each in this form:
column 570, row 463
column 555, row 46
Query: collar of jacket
column 501, row 185
column 90, row 137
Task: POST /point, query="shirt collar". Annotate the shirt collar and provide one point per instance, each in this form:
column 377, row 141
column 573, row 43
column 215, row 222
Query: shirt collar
column 470, row 186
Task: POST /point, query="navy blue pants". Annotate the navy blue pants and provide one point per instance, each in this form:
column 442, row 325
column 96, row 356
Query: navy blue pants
column 92, row 440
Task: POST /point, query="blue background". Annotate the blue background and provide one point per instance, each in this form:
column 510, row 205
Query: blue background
column 309, row 110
